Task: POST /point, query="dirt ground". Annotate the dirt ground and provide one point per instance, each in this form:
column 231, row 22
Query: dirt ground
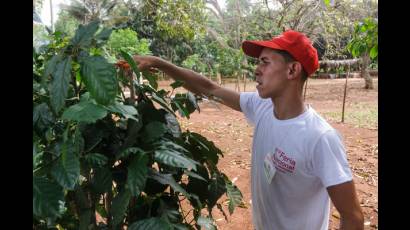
column 229, row 130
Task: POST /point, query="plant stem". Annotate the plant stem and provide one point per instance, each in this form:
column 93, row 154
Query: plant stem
column 182, row 211
column 132, row 91
column 74, row 83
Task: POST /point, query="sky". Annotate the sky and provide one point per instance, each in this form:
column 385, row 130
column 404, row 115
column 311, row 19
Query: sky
column 45, row 11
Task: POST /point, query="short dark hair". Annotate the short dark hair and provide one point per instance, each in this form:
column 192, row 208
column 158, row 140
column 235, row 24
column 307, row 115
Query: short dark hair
column 288, row 58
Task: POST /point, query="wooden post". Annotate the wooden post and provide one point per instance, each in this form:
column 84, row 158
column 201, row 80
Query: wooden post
column 244, row 82
column 344, row 96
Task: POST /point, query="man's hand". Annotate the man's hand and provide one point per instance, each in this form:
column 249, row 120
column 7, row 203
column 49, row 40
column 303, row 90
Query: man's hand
column 147, row 62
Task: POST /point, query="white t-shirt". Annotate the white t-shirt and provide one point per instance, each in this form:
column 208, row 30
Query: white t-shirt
column 307, row 156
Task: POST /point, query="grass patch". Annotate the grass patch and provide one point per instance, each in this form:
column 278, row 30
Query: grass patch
column 362, row 115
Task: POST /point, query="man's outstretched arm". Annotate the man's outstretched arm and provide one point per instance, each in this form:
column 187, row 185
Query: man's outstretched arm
column 193, row 81
column 345, row 200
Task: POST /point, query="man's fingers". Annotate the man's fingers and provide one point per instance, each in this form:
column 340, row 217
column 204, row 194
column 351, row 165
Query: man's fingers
column 153, row 70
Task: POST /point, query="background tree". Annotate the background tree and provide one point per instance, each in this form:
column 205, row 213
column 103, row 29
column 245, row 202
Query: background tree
column 365, row 44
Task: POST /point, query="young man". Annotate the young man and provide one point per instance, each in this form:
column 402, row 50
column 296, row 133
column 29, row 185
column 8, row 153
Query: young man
column 298, row 159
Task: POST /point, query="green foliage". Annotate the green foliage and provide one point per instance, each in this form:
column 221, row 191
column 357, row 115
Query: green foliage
column 195, row 63
column 66, row 23
column 127, row 40
column 40, row 36
column 365, row 39
column 170, row 26
column 180, row 18
column 229, row 61
column 96, row 150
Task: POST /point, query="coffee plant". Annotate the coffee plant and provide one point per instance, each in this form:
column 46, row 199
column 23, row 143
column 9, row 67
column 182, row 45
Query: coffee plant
column 108, row 150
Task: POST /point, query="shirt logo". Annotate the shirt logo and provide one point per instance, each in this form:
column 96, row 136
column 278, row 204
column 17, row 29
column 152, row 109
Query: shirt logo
column 283, row 162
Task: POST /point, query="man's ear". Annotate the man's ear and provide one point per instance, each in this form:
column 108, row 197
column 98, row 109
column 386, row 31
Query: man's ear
column 295, row 70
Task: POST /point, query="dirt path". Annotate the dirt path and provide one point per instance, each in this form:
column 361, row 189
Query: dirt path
column 229, row 130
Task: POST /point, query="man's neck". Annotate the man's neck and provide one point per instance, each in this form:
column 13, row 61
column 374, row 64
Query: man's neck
column 288, row 107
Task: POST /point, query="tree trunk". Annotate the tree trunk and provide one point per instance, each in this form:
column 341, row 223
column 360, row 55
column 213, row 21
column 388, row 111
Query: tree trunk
column 344, row 95
column 365, row 72
column 218, row 77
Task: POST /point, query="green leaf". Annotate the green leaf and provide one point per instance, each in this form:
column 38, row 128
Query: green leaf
column 162, row 102
column 119, row 206
column 85, row 219
column 153, row 223
column 133, row 131
column 137, row 174
column 234, row 195
column 60, row 83
column 132, row 150
column 104, row 35
column 186, row 103
column 181, row 226
column 327, row 2
column 101, row 181
column 173, row 125
column 47, row 196
column 123, row 109
column 168, row 209
column 201, row 148
column 36, row 156
column 96, row 159
column 99, row 78
column 374, row 52
column 167, row 179
column 151, row 79
column 198, row 186
column 87, row 112
column 67, row 169
column 42, row 117
column 193, row 101
column 216, row 189
column 177, row 84
column 101, row 210
column 127, row 111
column 78, row 142
column 181, row 109
column 174, row 158
column 154, row 130
column 84, row 34
column 51, row 65
column 206, row 223
column 194, row 175
column 132, row 63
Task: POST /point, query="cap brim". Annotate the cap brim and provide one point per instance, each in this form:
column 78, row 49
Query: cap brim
column 254, row 48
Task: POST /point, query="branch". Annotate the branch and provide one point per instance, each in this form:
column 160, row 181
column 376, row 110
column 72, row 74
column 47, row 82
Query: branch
column 216, row 36
column 216, row 6
column 182, row 211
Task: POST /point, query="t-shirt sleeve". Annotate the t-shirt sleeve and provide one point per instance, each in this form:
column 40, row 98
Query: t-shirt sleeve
column 248, row 103
column 329, row 160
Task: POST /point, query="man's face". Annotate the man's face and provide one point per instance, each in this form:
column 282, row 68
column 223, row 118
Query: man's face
column 271, row 74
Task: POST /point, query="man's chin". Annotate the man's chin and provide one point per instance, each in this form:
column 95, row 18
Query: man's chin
column 261, row 95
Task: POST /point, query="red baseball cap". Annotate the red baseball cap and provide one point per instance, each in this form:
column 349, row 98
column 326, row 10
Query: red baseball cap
column 295, row 43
